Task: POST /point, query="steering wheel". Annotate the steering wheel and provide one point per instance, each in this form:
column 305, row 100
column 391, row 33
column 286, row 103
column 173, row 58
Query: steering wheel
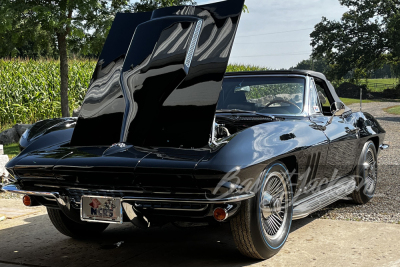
column 282, row 101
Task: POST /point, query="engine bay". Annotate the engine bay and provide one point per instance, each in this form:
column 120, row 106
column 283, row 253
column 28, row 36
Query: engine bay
column 226, row 125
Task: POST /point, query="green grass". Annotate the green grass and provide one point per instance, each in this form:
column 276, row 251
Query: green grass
column 11, row 150
column 379, row 85
column 393, row 110
column 349, row 101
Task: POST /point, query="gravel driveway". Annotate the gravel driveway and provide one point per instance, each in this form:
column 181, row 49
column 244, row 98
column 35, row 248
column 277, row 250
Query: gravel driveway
column 385, row 206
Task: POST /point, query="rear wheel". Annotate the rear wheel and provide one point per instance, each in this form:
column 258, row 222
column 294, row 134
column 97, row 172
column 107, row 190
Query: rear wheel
column 73, row 229
column 366, row 174
column 263, row 223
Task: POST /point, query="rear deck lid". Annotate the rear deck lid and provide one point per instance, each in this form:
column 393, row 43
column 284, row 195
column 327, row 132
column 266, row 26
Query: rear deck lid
column 162, row 90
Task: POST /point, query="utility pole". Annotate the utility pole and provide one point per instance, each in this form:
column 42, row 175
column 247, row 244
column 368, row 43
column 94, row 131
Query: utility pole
column 312, row 63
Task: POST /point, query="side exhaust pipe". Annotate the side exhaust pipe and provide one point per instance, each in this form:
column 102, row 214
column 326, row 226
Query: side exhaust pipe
column 384, row 146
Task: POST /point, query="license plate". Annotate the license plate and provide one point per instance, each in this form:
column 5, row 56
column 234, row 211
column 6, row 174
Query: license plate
column 101, row 209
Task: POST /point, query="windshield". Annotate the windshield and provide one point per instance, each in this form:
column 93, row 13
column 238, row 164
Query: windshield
column 269, row 95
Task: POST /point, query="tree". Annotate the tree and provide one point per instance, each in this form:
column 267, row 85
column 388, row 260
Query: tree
column 58, row 21
column 33, row 43
column 366, row 37
column 318, row 65
column 92, row 44
column 149, row 5
column 79, row 22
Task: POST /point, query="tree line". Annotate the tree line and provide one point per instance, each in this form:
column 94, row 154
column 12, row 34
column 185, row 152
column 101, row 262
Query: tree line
column 385, row 71
column 363, row 44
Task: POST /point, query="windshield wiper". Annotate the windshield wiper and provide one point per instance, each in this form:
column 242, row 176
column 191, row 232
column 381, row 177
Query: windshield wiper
column 235, row 111
column 244, row 111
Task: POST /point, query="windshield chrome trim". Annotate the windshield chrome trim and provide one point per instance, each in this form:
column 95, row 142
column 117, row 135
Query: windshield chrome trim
column 307, row 91
column 265, row 75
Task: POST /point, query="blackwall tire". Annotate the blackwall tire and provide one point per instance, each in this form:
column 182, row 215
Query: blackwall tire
column 73, row 229
column 366, row 174
column 250, row 228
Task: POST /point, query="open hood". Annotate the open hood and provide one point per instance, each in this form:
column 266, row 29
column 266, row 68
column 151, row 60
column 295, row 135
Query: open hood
column 159, row 77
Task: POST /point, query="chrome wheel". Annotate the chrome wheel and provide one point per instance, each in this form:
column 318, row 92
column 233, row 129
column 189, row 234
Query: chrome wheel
column 263, row 224
column 370, row 173
column 274, row 205
column 366, row 174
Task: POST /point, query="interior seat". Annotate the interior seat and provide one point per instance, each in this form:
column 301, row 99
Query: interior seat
column 238, row 100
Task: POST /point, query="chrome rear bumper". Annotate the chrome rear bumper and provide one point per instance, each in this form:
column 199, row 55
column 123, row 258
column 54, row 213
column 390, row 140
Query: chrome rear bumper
column 12, row 188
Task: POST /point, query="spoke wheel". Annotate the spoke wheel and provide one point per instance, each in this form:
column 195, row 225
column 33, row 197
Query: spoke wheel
column 262, row 225
column 370, row 173
column 366, row 174
column 274, row 205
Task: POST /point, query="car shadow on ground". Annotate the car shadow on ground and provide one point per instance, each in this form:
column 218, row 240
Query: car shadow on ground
column 38, row 243
column 341, row 204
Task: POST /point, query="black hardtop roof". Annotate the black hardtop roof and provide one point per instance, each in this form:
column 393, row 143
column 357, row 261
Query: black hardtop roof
column 279, row 72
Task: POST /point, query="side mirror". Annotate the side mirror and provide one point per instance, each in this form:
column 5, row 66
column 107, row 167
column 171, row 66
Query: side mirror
column 337, row 109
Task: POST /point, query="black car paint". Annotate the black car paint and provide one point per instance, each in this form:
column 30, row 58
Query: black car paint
column 173, row 169
column 104, row 103
column 44, row 127
column 153, row 82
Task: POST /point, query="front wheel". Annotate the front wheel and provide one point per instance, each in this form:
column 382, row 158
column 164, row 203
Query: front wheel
column 73, row 229
column 263, row 223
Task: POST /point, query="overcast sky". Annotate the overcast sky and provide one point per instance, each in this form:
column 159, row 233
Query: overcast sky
column 278, row 48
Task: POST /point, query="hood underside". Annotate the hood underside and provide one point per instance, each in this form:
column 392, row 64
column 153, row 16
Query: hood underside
column 159, row 77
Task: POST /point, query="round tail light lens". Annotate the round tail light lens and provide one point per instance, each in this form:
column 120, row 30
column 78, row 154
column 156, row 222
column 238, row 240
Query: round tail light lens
column 27, row 200
column 220, row 214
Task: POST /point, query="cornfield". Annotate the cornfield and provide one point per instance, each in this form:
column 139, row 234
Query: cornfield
column 30, row 89
column 240, row 67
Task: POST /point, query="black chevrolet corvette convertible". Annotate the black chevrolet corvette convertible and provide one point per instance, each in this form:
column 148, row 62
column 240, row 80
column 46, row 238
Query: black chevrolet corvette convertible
column 164, row 135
